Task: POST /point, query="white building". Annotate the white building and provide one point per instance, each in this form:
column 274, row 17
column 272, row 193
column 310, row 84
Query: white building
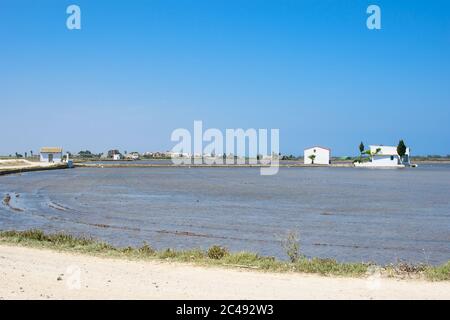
column 385, row 156
column 132, row 156
column 51, row 154
column 317, row 155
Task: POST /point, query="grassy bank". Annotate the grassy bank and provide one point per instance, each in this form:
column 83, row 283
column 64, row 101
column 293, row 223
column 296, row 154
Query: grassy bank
column 217, row 256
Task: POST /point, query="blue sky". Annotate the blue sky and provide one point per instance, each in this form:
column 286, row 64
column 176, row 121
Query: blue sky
column 137, row 70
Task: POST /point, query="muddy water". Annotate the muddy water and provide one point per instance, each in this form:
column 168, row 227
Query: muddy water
column 344, row 213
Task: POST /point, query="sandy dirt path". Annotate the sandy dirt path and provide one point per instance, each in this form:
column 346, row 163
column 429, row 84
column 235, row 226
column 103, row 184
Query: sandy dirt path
column 27, row 273
column 7, row 165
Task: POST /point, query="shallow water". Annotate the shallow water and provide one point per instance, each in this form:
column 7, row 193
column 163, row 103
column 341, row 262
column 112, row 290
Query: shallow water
column 344, row 213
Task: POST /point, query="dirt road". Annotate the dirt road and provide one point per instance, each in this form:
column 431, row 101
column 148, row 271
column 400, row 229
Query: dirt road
column 27, row 273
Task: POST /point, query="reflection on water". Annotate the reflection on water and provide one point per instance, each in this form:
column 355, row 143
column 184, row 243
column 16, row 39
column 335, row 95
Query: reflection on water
column 343, row 213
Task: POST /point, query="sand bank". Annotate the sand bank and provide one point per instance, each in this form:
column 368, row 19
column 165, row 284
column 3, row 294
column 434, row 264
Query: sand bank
column 18, row 166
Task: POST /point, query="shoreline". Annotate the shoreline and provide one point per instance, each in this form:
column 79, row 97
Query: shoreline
column 217, row 256
column 7, row 171
column 31, row 273
column 291, row 164
column 147, row 165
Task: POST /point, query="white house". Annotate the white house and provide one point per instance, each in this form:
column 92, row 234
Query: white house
column 132, row 156
column 385, row 156
column 51, row 154
column 317, row 155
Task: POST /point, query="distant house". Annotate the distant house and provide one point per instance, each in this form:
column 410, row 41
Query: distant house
column 114, row 154
column 132, row 156
column 386, row 156
column 317, row 155
column 51, row 154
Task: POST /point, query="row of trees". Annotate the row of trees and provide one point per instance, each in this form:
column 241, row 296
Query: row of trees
column 19, row 155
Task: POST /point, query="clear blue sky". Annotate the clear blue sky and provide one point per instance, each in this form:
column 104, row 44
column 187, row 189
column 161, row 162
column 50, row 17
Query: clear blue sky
column 139, row 69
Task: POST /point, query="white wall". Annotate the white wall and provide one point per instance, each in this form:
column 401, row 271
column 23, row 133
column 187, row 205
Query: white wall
column 322, row 155
column 387, row 150
column 384, row 156
column 57, row 157
column 385, row 160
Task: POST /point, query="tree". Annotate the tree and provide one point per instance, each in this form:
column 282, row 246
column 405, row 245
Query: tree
column 85, row 154
column 312, row 157
column 361, row 148
column 401, row 149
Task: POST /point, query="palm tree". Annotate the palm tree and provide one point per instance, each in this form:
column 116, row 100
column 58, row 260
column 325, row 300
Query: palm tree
column 312, row 157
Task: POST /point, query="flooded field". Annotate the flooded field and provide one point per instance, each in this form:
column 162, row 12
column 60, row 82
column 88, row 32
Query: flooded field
column 344, row 213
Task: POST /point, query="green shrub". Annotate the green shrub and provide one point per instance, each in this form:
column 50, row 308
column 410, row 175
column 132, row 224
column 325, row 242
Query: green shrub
column 439, row 273
column 168, row 253
column 146, row 249
column 292, row 246
column 217, row 252
column 127, row 250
